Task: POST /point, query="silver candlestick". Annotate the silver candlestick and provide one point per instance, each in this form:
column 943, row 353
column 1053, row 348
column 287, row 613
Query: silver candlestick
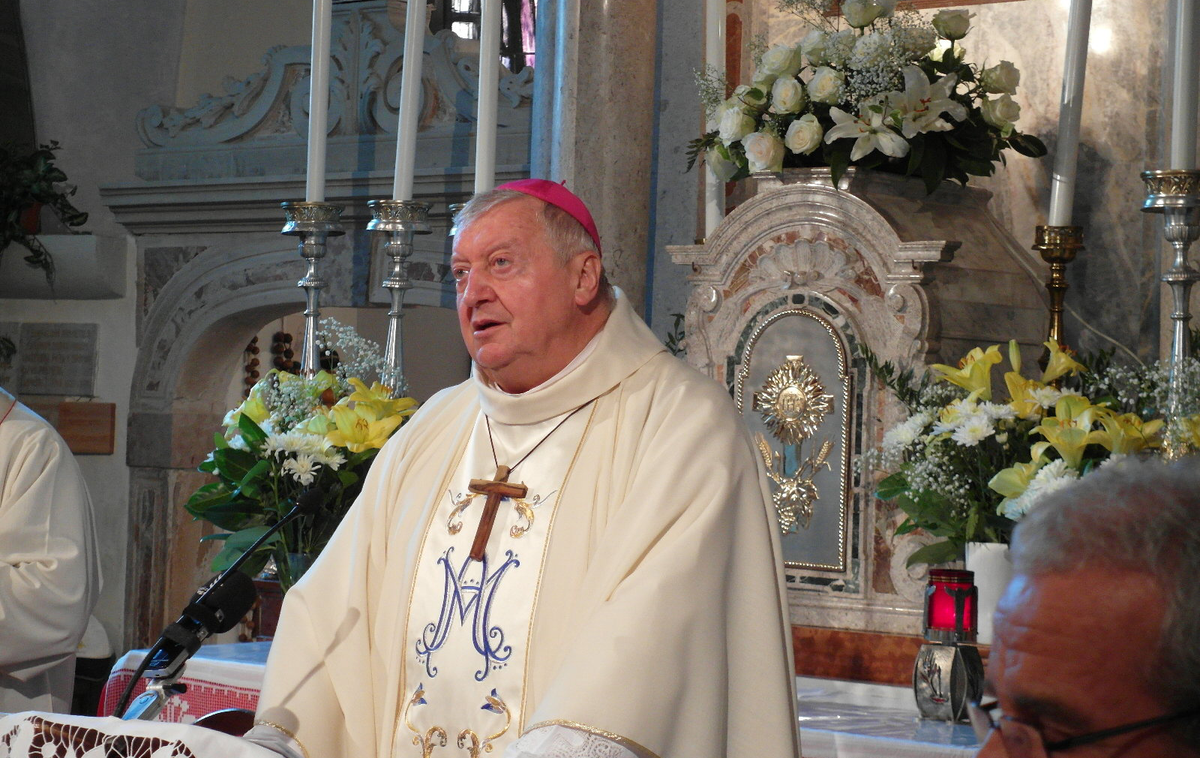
column 399, row 220
column 1175, row 193
column 314, row 224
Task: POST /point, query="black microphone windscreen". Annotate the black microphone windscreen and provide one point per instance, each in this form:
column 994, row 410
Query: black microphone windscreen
column 229, row 602
column 310, row 500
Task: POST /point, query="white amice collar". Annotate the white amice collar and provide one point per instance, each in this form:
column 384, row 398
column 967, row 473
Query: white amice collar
column 620, row 348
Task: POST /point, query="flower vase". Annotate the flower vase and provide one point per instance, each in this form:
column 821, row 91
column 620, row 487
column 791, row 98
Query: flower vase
column 993, row 568
column 291, row 569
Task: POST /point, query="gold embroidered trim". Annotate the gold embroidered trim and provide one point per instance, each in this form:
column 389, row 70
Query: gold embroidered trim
column 287, row 732
column 537, row 591
column 633, row 747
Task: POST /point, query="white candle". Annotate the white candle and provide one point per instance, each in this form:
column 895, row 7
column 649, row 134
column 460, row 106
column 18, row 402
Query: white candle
column 1183, row 87
column 714, row 57
column 318, row 101
column 489, row 71
column 410, row 100
column 1062, row 181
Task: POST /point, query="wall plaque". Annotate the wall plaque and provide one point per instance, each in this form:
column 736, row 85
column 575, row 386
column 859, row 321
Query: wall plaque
column 57, row 359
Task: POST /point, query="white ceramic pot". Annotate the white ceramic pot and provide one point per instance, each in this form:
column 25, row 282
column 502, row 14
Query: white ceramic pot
column 993, row 568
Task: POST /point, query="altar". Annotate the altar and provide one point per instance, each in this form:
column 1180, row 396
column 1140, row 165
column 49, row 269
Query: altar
column 836, row 719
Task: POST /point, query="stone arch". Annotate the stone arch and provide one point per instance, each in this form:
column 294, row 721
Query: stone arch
column 195, row 330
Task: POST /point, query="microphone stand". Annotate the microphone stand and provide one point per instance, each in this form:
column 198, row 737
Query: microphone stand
column 164, row 680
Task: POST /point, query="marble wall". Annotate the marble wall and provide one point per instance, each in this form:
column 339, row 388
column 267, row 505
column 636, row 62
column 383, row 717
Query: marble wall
column 1114, row 295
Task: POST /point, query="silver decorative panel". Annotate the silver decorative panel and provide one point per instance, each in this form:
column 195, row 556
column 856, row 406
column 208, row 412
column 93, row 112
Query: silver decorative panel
column 794, row 390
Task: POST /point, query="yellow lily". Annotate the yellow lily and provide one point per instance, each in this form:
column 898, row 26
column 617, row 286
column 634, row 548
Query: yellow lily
column 1069, row 430
column 1012, row 482
column 1020, row 393
column 1127, row 433
column 319, row 423
column 360, row 428
column 974, row 372
column 1060, row 363
column 379, row 398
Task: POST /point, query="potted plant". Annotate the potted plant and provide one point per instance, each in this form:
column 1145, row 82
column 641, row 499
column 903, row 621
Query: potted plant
column 869, row 86
column 29, row 181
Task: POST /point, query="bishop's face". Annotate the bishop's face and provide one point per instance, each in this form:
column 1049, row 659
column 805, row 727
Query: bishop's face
column 1072, row 655
column 518, row 305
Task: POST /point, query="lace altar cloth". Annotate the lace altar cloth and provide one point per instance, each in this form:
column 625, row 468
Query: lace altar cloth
column 53, row 735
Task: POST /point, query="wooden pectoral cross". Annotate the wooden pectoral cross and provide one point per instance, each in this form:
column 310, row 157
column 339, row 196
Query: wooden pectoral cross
column 496, row 490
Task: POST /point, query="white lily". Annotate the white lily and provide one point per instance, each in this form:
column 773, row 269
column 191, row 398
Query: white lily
column 871, row 131
column 922, row 104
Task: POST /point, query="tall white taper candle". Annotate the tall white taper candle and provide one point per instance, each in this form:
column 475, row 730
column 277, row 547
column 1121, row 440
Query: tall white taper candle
column 318, row 101
column 1183, row 87
column 714, row 57
column 410, row 100
column 489, row 71
column 1062, row 181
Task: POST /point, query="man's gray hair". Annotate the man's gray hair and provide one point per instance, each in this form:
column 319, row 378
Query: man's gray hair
column 1139, row 516
column 567, row 236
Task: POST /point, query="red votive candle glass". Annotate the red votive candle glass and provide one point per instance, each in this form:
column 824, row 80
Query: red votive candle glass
column 951, row 606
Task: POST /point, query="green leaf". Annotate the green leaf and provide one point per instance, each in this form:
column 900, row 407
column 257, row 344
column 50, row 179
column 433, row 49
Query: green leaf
column 232, row 464
column 933, row 164
column 1027, row 144
column 234, row 515
column 238, row 542
column 892, row 486
column 208, row 496
column 838, row 157
column 218, row 537
column 249, row 486
column 251, row 432
column 938, row 552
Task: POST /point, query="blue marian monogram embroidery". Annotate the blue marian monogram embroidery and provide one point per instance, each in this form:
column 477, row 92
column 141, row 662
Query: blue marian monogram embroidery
column 468, row 600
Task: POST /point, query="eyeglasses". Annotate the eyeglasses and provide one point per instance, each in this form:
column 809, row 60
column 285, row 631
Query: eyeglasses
column 1022, row 740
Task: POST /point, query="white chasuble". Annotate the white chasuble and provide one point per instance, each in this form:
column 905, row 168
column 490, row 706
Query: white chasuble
column 641, row 606
column 469, row 622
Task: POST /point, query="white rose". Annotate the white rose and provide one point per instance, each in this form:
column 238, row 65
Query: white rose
column 1001, row 112
column 780, row 60
column 839, row 46
column 735, row 124
column 813, row 46
column 764, row 151
column 952, row 25
column 826, row 86
column 912, row 42
column 871, row 51
column 888, row 6
column 1003, row 77
column 717, row 159
column 804, row 135
column 860, row 13
column 788, row 96
column 749, row 98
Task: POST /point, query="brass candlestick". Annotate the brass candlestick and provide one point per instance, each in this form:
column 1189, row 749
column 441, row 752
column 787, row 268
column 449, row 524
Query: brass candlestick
column 314, row 224
column 1175, row 193
column 1058, row 245
column 399, row 220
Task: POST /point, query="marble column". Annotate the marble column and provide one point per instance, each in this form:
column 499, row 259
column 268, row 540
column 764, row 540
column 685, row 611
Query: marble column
column 594, row 124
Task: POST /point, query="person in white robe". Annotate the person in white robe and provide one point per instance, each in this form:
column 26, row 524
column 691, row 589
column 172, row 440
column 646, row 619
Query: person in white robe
column 628, row 597
column 49, row 566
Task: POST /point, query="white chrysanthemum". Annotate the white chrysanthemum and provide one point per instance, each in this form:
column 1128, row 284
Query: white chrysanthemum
column 1045, row 396
column 239, row 443
column 998, row 411
column 953, row 415
column 295, row 442
column 333, row 460
column 303, row 468
column 973, row 429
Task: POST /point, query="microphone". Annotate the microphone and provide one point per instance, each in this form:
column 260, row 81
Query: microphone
column 215, row 608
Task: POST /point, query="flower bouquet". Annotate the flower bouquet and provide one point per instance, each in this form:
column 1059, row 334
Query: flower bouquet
column 965, row 467
column 293, row 433
column 881, row 93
